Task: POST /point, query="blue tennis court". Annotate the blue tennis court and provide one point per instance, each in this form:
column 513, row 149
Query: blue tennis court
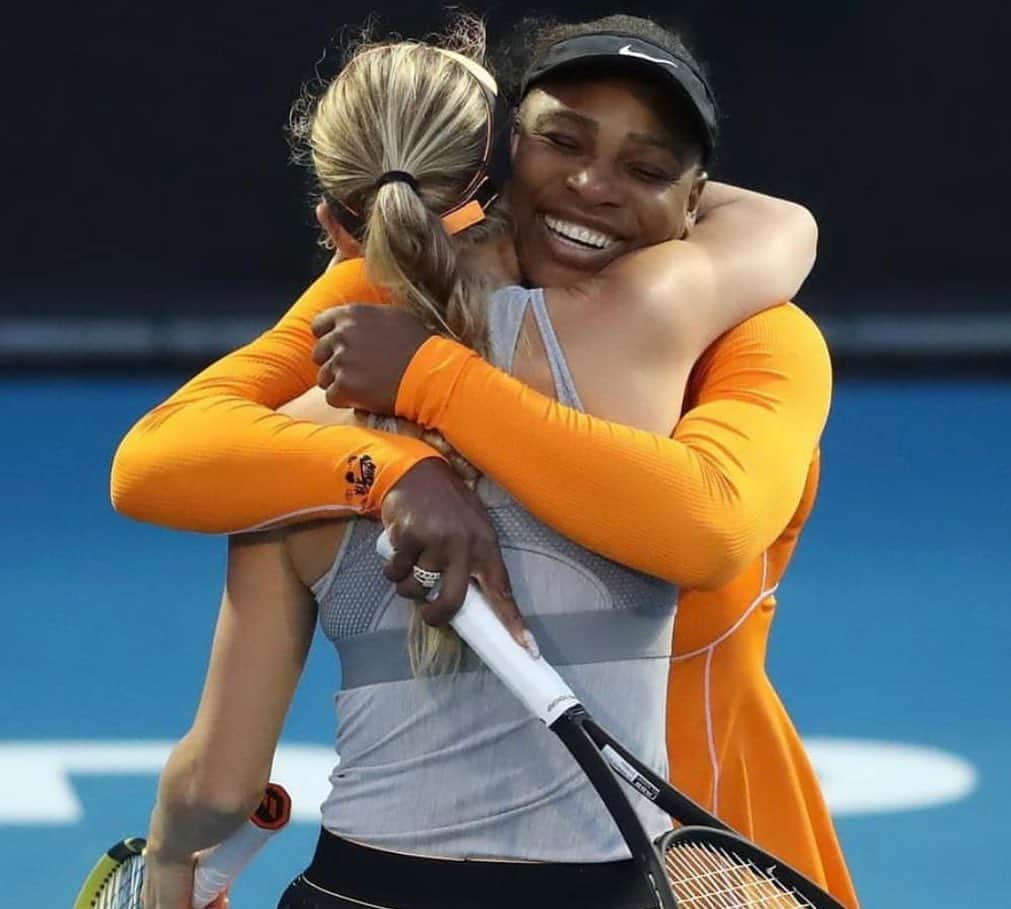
column 891, row 647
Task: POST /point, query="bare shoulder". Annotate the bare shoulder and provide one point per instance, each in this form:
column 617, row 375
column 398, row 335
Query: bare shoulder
column 312, row 547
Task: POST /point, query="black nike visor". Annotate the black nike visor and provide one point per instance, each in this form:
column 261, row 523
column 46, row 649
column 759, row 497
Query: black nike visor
column 613, row 50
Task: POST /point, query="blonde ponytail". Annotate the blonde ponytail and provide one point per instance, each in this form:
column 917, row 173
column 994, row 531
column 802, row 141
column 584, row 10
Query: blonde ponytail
column 423, row 110
column 408, row 251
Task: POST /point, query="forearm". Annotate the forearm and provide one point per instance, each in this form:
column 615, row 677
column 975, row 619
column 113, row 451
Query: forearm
column 756, row 240
column 584, row 477
column 215, row 457
column 216, row 775
column 693, row 509
column 225, row 465
column 747, row 253
column 194, row 811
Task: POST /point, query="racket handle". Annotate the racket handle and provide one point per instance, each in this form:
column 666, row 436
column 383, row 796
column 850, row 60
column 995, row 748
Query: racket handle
column 220, row 865
column 532, row 679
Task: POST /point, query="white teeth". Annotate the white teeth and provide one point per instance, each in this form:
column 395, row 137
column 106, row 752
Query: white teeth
column 579, row 233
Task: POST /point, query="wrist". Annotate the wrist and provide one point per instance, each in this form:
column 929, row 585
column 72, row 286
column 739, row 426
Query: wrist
column 429, row 378
column 159, row 850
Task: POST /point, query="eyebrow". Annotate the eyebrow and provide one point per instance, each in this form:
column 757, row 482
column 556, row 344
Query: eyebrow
column 562, row 113
column 544, row 117
column 650, row 139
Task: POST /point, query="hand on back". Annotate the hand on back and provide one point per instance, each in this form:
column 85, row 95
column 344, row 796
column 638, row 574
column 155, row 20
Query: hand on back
column 363, row 350
column 438, row 523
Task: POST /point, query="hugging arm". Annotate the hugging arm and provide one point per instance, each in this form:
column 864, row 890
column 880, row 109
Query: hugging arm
column 632, row 332
column 216, row 458
column 695, row 508
column 747, row 252
column 754, row 251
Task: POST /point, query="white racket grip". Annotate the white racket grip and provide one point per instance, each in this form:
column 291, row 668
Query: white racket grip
column 532, row 679
column 219, row 866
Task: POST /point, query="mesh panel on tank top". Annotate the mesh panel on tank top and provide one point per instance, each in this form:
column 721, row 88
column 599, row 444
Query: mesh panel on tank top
column 354, row 598
column 358, row 594
column 627, row 588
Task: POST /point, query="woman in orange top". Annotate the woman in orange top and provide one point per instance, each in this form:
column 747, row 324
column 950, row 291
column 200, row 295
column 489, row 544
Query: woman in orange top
column 716, row 506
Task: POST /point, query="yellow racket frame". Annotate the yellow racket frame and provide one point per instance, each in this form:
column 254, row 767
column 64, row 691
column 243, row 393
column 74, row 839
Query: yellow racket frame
column 104, row 868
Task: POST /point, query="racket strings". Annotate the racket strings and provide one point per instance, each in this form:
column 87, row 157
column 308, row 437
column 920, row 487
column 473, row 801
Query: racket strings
column 704, row 877
column 123, row 888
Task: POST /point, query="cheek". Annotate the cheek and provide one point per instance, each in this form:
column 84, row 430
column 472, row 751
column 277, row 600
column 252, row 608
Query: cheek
column 671, row 211
column 662, row 219
column 519, row 183
column 534, row 169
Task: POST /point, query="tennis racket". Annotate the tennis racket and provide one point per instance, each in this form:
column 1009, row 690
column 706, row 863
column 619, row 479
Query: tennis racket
column 701, row 863
column 117, row 879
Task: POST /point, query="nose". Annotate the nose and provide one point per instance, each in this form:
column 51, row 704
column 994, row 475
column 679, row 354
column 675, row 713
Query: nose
column 595, row 183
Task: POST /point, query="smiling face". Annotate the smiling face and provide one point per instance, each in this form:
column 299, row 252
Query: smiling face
column 600, row 168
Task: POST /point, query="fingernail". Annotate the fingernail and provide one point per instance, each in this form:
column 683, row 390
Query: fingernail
column 531, row 644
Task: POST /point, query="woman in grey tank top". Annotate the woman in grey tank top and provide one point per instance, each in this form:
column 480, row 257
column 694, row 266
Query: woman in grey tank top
column 445, row 793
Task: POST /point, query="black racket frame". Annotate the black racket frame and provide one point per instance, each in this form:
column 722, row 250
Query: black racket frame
column 585, row 739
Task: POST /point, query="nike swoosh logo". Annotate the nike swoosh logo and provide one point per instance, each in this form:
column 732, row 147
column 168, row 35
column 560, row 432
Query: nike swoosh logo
column 627, row 51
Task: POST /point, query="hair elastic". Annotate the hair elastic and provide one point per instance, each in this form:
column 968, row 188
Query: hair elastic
column 397, row 176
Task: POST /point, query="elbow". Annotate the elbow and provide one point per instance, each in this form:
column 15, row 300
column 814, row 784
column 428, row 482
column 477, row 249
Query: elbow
column 725, row 549
column 791, row 250
column 716, row 571
column 147, row 477
column 806, row 233
column 131, row 480
column 800, row 229
column 122, row 490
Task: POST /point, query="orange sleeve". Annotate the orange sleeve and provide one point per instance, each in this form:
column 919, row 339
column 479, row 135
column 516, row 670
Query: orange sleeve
column 694, row 509
column 215, row 457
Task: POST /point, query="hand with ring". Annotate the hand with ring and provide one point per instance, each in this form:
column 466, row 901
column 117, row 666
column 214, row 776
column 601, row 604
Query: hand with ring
column 427, row 579
column 443, row 537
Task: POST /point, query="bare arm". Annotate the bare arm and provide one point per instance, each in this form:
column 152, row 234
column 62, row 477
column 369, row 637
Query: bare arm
column 747, row 252
column 216, row 775
column 632, row 333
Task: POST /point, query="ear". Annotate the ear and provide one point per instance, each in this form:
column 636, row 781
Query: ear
column 514, row 132
column 694, row 199
column 345, row 246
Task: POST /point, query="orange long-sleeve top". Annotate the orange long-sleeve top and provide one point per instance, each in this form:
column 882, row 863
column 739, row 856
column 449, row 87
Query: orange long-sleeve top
column 716, row 508
column 696, row 508
column 216, row 458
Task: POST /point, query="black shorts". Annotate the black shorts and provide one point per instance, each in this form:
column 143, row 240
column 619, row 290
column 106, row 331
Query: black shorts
column 345, row 875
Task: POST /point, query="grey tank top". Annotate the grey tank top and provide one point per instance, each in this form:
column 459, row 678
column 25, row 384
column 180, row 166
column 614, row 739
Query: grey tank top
column 454, row 766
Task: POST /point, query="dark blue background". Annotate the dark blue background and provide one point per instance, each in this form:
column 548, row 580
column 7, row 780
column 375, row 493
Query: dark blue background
column 893, row 625
column 148, row 172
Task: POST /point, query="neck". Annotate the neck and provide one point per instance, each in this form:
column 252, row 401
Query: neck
column 495, row 258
